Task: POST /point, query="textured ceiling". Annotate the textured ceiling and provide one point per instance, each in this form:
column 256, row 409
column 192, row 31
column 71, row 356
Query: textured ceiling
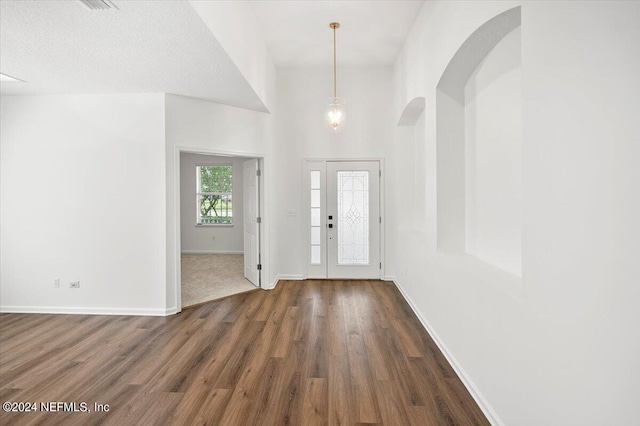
column 144, row 47
column 371, row 32
column 163, row 46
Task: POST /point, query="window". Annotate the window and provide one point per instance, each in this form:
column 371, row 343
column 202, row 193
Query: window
column 214, row 204
column 315, row 218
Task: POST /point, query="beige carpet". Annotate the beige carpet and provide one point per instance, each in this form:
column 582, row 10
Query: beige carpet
column 207, row 277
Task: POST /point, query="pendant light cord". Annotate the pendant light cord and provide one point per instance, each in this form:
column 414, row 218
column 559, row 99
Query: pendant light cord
column 335, row 91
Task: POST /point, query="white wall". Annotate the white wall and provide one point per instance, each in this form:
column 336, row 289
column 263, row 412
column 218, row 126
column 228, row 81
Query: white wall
column 123, row 149
column 82, row 200
column 493, row 157
column 198, row 126
column 301, row 133
column 562, row 346
column 235, row 27
column 209, row 238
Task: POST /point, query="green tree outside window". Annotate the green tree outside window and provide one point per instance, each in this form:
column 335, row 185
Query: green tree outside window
column 214, row 193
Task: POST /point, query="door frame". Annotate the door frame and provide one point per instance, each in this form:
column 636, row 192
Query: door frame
column 176, row 258
column 306, row 223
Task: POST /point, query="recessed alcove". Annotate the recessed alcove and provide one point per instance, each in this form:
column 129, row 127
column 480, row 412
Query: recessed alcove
column 411, row 165
column 412, row 112
column 479, row 147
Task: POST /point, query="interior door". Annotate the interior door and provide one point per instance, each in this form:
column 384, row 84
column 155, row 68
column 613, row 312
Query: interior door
column 251, row 198
column 353, row 219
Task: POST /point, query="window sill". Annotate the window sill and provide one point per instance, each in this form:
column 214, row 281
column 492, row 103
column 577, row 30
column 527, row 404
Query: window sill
column 486, row 272
column 214, row 225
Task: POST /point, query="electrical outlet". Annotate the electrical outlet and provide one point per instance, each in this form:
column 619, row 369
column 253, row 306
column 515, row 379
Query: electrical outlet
column 74, row 284
column 291, row 213
column 56, row 282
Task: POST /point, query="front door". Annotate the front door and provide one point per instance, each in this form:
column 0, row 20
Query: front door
column 345, row 219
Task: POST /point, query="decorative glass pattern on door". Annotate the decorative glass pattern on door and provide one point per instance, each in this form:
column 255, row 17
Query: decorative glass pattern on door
column 353, row 218
column 316, row 257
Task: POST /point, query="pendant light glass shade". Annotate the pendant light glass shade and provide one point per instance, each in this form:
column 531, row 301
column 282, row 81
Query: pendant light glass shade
column 335, row 114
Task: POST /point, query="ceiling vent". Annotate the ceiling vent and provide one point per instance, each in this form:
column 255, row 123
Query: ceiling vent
column 99, row 4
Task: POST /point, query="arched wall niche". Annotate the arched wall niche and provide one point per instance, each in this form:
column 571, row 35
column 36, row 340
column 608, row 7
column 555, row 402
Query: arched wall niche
column 410, row 166
column 466, row 186
column 473, row 51
column 412, row 112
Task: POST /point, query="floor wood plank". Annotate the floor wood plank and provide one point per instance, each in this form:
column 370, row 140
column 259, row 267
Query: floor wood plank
column 315, row 352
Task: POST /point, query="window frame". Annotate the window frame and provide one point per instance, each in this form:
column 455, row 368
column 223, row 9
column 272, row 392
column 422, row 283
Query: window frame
column 198, row 194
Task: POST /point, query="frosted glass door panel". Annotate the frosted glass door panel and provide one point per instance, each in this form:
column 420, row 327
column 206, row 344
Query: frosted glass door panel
column 315, row 198
column 315, row 236
column 316, row 204
column 315, row 217
column 353, row 217
column 315, row 255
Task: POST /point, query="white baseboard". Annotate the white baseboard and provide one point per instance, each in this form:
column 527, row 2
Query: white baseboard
column 172, row 311
column 85, row 311
column 484, row 405
column 284, row 277
column 211, row 252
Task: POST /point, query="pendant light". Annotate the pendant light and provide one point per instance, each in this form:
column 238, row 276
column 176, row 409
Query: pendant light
column 335, row 114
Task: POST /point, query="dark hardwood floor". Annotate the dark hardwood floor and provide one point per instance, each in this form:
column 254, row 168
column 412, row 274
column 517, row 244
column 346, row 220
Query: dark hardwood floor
column 306, row 353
